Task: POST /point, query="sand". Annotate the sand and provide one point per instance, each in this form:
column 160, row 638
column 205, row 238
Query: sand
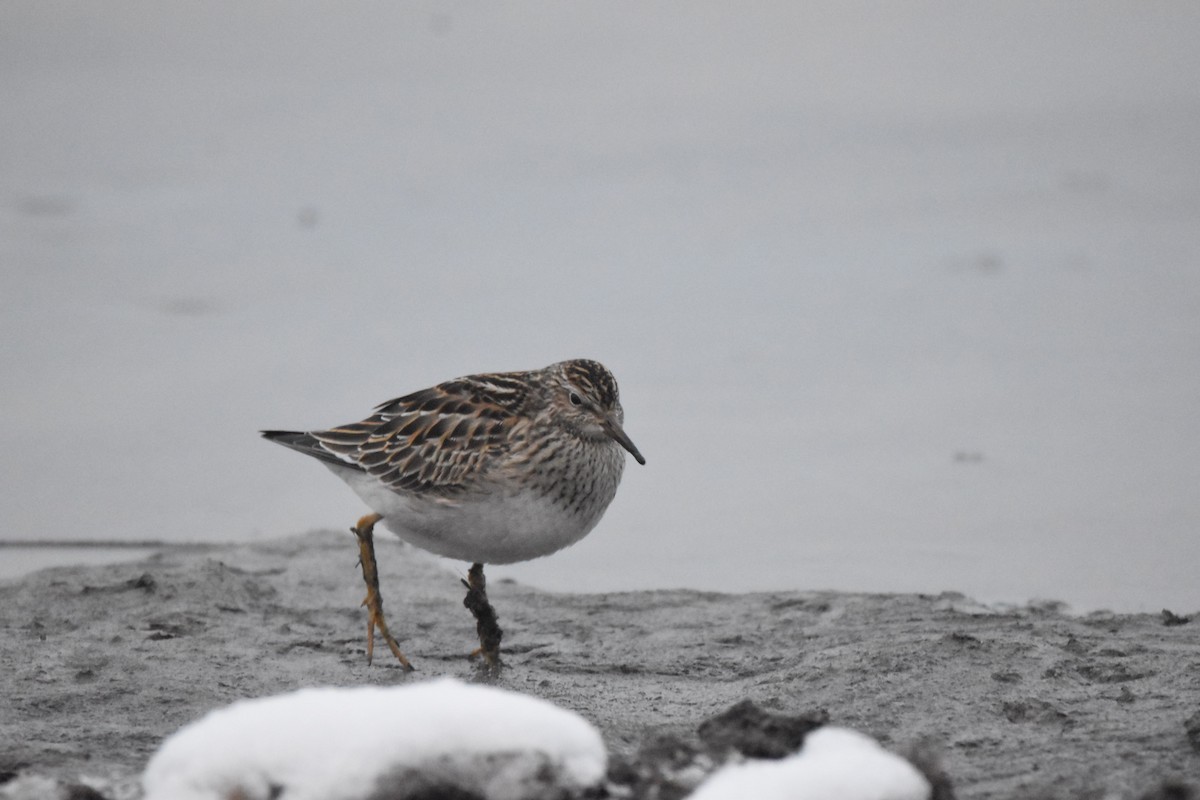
column 98, row 664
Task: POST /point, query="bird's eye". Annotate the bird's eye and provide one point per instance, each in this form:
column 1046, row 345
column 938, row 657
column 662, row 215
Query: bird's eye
column 576, row 400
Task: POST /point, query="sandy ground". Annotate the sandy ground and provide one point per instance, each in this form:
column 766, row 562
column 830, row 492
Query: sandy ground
column 98, row 664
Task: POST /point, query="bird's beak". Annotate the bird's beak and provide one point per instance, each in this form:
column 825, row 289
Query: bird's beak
column 618, row 435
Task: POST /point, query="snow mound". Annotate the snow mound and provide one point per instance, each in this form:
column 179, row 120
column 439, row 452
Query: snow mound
column 834, row 764
column 370, row 742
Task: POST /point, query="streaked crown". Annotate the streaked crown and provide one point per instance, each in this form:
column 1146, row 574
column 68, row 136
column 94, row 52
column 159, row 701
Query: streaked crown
column 594, row 379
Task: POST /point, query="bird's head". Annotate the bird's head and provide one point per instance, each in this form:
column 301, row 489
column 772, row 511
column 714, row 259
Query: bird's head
column 584, row 398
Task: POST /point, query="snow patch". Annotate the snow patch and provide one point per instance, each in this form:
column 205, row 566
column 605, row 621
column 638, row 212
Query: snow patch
column 344, row 744
column 834, row 764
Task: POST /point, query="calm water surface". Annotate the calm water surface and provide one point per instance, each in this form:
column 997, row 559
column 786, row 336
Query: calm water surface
column 898, row 301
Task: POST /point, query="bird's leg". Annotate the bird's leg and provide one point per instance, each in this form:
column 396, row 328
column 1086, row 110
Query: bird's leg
column 486, row 623
column 364, row 531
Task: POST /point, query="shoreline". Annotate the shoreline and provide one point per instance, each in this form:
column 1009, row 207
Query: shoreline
column 100, row 663
column 139, row 549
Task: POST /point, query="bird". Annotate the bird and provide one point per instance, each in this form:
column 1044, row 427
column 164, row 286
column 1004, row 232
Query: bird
column 491, row 468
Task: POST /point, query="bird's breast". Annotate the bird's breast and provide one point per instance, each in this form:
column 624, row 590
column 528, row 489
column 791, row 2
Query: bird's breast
column 540, row 511
column 493, row 529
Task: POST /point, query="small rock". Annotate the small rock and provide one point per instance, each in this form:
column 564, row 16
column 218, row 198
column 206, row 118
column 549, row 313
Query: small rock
column 1192, row 726
column 755, row 733
column 1172, row 790
column 665, row 767
column 927, row 758
column 1171, row 618
column 145, row 582
column 1034, row 710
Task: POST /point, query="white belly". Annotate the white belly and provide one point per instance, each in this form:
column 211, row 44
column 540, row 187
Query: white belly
column 496, row 528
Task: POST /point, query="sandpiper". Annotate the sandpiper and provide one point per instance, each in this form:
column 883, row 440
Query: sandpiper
column 491, row 469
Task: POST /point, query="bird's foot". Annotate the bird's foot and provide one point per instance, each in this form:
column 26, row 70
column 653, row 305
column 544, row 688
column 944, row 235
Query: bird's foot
column 364, row 531
column 486, row 622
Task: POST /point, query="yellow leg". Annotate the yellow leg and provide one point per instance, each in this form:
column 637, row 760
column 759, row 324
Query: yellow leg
column 364, row 531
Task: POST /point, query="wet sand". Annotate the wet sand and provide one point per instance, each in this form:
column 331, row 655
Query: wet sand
column 99, row 663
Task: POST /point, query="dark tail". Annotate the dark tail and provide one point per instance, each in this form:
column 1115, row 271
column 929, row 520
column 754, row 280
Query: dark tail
column 304, row 443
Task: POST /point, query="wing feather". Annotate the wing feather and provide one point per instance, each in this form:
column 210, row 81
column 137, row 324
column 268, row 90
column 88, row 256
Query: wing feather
column 437, row 440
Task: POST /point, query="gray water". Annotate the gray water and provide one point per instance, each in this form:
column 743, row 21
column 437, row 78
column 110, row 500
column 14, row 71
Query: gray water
column 16, row 562
column 900, row 297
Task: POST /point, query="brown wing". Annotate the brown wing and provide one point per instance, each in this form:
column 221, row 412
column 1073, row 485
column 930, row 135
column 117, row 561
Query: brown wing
column 436, row 440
